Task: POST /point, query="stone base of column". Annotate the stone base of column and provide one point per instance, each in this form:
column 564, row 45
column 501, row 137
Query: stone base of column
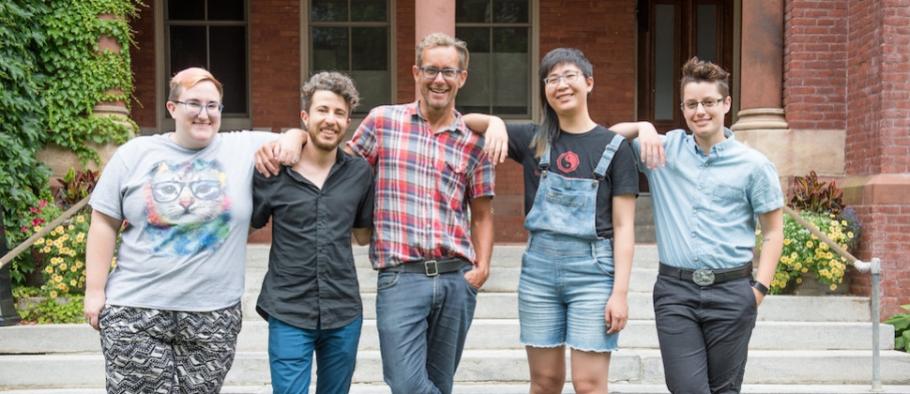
column 796, row 152
column 760, row 118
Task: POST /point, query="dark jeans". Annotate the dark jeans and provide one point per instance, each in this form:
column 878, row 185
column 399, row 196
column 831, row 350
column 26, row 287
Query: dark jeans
column 422, row 322
column 704, row 333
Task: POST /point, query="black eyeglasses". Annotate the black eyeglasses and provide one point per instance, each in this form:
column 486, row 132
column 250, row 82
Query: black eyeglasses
column 450, row 73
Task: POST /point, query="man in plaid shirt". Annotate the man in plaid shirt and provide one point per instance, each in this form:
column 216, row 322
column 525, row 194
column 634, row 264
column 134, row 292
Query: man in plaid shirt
column 429, row 168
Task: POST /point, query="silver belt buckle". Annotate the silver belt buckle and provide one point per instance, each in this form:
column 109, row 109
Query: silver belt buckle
column 431, row 272
column 703, row 277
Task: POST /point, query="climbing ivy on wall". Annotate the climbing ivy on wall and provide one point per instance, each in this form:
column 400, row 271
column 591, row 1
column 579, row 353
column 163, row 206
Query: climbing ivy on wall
column 51, row 77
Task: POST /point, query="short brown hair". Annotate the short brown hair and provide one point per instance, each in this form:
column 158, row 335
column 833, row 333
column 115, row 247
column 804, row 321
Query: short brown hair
column 434, row 40
column 334, row 82
column 703, row 71
column 187, row 78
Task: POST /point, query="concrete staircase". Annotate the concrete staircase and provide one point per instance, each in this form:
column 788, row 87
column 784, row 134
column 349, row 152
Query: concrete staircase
column 821, row 344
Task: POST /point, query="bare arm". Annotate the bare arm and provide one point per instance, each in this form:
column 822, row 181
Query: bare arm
column 496, row 138
column 772, row 230
column 652, row 148
column 286, row 150
column 617, row 310
column 482, row 238
column 99, row 251
column 362, row 235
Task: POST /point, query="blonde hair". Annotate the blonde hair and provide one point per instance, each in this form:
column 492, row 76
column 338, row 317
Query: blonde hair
column 187, row 78
column 434, row 40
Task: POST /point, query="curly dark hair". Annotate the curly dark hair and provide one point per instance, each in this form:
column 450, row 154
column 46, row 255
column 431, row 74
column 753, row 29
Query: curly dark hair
column 703, row 71
column 334, row 82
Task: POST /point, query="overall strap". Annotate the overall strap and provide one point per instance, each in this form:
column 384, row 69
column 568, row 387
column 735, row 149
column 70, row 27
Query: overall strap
column 607, row 157
column 544, row 163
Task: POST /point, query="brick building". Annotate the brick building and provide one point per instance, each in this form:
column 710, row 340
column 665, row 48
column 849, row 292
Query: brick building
column 817, row 85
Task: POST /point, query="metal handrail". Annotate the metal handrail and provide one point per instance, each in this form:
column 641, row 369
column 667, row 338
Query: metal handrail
column 44, row 231
column 874, row 267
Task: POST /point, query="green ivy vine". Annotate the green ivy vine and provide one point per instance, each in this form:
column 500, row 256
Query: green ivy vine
column 51, row 77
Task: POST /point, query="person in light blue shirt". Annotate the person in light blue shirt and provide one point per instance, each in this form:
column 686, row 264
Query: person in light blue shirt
column 708, row 190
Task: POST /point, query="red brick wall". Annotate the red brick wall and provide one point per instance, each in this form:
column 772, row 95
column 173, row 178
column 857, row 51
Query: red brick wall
column 815, row 64
column 878, row 140
column 142, row 54
column 275, row 63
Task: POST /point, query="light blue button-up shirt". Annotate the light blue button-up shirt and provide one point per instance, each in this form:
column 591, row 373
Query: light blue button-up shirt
column 705, row 206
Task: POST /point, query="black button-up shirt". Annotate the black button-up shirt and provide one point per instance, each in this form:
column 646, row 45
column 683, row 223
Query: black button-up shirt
column 311, row 282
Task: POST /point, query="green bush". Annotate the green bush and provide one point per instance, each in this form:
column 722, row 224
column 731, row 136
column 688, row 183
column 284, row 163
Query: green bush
column 901, row 323
column 48, row 310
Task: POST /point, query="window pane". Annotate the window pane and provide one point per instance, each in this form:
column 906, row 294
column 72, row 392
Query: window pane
column 330, row 49
column 664, row 67
column 187, row 47
column 472, row 11
column 329, row 10
column 226, row 10
column 227, row 54
column 369, row 48
column 186, row 9
column 706, row 37
column 510, row 11
column 368, row 10
column 475, row 95
column 511, row 91
column 374, row 87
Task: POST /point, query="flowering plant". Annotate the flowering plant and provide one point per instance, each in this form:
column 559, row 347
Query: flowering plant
column 64, row 250
column 804, row 252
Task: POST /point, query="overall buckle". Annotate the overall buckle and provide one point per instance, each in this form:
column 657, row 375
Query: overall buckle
column 431, row 268
column 703, row 277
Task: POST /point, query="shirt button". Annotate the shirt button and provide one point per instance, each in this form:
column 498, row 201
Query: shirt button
column 693, row 234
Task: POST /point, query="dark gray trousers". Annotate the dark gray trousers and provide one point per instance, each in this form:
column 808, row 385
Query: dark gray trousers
column 704, row 333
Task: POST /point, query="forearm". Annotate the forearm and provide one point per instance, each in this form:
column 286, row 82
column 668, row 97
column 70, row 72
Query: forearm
column 362, row 235
column 629, row 130
column 482, row 233
column 772, row 232
column 623, row 242
column 99, row 251
column 478, row 123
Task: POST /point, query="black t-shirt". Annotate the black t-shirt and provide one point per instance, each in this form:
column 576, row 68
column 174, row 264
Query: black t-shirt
column 576, row 156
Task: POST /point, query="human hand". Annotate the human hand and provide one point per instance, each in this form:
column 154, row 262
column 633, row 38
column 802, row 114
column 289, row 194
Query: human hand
column 92, row 305
column 477, row 276
column 652, row 148
column 496, row 138
column 759, row 297
column 616, row 313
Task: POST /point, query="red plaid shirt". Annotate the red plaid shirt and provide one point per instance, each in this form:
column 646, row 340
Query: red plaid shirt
column 424, row 180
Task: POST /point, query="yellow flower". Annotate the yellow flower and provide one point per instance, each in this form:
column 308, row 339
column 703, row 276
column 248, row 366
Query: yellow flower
column 823, row 246
column 39, row 241
column 49, row 269
column 850, row 234
column 80, row 219
column 63, row 266
column 53, row 294
column 46, row 249
column 799, row 280
column 793, row 255
column 809, row 244
column 73, row 282
column 71, row 227
column 833, row 287
column 787, row 241
column 73, row 269
column 59, row 230
column 804, row 270
column 80, row 237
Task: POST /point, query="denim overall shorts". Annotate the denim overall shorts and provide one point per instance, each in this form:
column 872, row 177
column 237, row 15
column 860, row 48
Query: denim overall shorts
column 566, row 270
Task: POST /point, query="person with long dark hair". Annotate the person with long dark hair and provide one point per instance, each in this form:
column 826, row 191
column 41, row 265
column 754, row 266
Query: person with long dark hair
column 581, row 183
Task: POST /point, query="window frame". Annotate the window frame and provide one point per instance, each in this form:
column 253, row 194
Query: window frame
column 306, row 48
column 229, row 121
column 533, row 25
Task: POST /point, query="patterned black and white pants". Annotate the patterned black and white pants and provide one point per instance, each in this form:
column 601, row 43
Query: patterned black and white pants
column 161, row 351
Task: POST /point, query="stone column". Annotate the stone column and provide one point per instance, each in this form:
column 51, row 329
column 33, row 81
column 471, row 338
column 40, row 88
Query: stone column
column 433, row 16
column 761, row 78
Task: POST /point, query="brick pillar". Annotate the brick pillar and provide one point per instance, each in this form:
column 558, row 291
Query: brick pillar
column 433, row 16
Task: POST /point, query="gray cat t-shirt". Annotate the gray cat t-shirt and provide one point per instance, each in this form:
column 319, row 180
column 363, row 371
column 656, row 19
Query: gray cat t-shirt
column 188, row 217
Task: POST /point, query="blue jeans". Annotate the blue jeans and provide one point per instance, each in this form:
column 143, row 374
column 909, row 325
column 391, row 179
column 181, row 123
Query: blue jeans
column 291, row 357
column 422, row 322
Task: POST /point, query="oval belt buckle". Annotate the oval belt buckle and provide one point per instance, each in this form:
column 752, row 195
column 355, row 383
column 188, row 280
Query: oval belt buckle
column 703, row 277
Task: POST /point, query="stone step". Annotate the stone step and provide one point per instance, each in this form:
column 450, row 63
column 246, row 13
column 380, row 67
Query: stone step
column 501, row 279
column 484, row 334
column 504, row 255
column 477, row 366
column 522, row 388
column 773, row 308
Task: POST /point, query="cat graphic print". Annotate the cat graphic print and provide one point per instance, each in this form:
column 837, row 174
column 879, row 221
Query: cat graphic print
column 187, row 208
